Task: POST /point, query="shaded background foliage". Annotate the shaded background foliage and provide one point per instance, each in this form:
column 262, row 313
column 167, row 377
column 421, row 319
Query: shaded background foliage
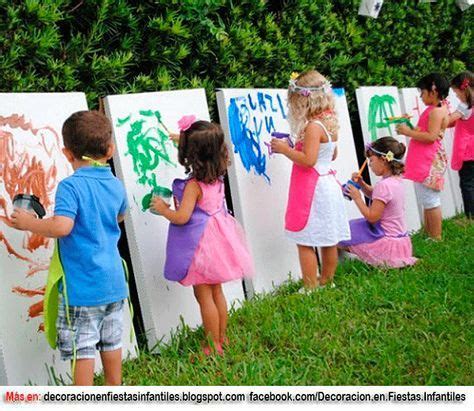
column 122, row 46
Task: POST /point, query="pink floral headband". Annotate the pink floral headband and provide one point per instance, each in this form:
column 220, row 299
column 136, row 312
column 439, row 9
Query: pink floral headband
column 186, row 122
column 465, row 84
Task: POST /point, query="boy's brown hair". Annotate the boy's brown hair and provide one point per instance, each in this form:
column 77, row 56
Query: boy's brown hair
column 87, row 133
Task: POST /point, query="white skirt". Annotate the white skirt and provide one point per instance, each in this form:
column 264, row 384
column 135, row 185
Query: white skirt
column 327, row 222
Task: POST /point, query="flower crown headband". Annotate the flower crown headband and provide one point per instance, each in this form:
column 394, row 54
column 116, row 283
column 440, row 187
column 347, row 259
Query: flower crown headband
column 465, row 84
column 306, row 91
column 389, row 156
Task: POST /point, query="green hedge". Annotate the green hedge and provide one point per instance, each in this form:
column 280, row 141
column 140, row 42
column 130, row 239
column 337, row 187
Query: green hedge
column 121, row 46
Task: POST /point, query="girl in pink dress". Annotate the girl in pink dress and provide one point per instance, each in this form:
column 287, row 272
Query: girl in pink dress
column 206, row 246
column 380, row 238
column 463, row 146
column 426, row 159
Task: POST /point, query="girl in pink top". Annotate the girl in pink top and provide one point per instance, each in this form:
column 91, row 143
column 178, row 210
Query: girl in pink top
column 381, row 238
column 463, row 146
column 426, row 159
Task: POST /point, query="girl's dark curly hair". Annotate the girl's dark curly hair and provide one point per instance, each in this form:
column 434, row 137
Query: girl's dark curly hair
column 384, row 145
column 203, row 152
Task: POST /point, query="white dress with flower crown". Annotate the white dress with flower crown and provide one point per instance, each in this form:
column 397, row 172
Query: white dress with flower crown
column 327, row 222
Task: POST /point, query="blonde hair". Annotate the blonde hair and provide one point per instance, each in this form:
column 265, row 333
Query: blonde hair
column 316, row 103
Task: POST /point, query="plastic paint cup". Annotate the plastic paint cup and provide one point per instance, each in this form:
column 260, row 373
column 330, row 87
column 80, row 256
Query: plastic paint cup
column 30, row 203
column 344, row 189
column 164, row 193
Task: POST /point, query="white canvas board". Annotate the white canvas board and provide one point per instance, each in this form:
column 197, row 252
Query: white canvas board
column 31, row 162
column 413, row 105
column 144, row 158
column 259, row 181
column 375, row 105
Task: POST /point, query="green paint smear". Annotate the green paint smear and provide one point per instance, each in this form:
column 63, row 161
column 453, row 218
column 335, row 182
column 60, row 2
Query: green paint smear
column 380, row 108
column 122, row 121
column 146, row 201
column 149, row 146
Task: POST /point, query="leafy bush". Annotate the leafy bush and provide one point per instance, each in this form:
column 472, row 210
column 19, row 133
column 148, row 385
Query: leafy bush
column 119, row 46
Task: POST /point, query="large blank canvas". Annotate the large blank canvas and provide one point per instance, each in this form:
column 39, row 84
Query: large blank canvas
column 259, row 181
column 414, row 106
column 375, row 105
column 145, row 157
column 31, row 161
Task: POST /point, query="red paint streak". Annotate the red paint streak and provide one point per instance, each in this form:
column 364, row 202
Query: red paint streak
column 12, row 251
column 36, row 309
column 28, row 293
column 35, row 241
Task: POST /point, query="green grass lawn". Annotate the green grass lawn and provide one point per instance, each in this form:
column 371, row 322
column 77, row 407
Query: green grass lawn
column 378, row 327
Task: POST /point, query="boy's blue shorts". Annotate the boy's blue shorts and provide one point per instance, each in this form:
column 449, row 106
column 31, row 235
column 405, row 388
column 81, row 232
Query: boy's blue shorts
column 92, row 328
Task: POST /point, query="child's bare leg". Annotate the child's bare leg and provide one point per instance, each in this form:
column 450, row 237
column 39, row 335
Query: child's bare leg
column 112, row 362
column 434, row 220
column 329, row 264
column 309, row 265
column 221, row 304
column 84, row 372
column 209, row 311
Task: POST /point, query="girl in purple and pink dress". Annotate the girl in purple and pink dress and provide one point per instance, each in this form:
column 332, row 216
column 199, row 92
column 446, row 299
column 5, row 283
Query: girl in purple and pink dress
column 206, row 246
column 381, row 238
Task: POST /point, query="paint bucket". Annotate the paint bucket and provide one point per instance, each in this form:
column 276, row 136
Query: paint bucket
column 345, row 192
column 30, row 203
column 164, row 193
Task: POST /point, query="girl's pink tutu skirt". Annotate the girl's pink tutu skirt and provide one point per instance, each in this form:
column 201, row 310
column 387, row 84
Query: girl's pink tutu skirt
column 387, row 251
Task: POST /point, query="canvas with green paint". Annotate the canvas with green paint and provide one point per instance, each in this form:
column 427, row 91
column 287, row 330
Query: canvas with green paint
column 379, row 113
column 146, row 159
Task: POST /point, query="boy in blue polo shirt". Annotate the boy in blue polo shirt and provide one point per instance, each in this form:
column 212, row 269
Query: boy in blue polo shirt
column 89, row 205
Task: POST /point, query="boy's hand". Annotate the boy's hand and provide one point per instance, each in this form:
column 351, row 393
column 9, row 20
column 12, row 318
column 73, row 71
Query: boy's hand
column 157, row 204
column 21, row 219
column 280, row 146
column 353, row 192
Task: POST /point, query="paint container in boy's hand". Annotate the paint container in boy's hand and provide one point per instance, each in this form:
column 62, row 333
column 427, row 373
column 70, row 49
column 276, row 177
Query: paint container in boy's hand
column 164, row 193
column 345, row 191
column 30, row 203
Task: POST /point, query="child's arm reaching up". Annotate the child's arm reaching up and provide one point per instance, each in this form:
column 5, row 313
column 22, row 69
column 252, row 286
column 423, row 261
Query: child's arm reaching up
column 373, row 213
column 309, row 155
column 192, row 193
column 54, row 227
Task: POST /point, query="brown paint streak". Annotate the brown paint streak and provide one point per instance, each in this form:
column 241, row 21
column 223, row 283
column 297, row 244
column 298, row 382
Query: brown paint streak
column 20, row 172
column 28, row 293
column 36, row 309
column 11, row 250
